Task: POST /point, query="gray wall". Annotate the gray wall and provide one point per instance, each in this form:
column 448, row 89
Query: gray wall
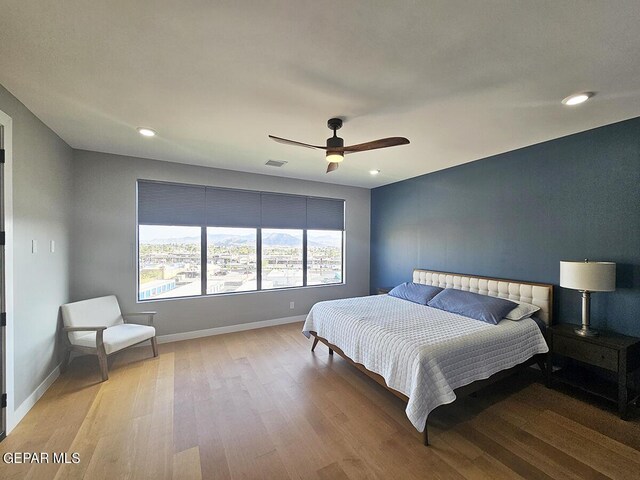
column 104, row 232
column 517, row 214
column 42, row 185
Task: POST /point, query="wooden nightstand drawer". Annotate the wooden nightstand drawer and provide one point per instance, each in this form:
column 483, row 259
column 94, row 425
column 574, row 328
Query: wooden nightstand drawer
column 586, row 352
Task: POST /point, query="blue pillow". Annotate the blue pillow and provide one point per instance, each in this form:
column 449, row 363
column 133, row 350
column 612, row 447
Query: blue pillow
column 415, row 292
column 473, row 305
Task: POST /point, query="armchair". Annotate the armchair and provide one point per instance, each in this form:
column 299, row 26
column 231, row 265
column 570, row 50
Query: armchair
column 97, row 326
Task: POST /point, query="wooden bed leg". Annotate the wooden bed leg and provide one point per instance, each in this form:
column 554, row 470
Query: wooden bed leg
column 330, row 351
column 542, row 366
column 315, row 342
column 426, row 435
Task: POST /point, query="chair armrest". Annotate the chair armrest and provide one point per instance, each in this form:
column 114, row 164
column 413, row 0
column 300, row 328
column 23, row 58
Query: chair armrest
column 99, row 334
column 84, row 329
column 149, row 316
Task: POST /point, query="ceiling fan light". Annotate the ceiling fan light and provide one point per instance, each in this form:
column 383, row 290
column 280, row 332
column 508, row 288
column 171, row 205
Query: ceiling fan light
column 334, row 157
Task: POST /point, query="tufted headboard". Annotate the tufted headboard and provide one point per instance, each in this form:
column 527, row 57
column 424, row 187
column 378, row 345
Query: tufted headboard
column 539, row 294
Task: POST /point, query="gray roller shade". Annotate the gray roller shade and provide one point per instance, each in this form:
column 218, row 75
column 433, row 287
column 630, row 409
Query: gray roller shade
column 232, row 208
column 325, row 214
column 284, row 211
column 170, row 204
column 179, row 204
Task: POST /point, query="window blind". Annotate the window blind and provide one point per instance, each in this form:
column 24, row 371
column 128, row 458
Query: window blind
column 283, row 211
column 170, row 204
column 232, row 208
column 179, row 204
column 325, row 214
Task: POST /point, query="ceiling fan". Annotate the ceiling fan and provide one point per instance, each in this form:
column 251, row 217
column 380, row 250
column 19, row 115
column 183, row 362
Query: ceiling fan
column 335, row 145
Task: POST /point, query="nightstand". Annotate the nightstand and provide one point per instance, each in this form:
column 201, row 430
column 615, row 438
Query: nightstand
column 383, row 290
column 615, row 353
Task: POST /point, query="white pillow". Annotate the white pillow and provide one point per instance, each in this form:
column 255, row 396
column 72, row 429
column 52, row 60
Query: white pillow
column 522, row 311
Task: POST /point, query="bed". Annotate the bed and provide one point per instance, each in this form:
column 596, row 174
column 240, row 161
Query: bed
column 427, row 356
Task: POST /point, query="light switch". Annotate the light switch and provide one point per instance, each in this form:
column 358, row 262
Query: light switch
column 34, row 246
column 52, row 246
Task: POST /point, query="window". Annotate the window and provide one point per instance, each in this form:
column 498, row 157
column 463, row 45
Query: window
column 169, row 262
column 195, row 240
column 231, row 260
column 281, row 258
column 324, row 257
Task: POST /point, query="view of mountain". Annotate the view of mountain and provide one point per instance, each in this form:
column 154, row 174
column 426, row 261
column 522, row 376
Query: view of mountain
column 273, row 239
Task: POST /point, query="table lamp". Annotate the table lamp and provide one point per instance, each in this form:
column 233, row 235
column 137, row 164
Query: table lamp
column 588, row 277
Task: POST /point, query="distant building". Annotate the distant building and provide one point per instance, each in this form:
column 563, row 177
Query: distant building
column 155, row 288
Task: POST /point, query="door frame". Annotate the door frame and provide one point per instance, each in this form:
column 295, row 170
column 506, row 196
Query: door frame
column 8, row 361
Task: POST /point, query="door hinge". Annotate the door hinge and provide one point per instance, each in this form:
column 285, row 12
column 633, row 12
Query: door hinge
column 2, row 238
column 4, row 401
column 3, row 319
column 2, row 155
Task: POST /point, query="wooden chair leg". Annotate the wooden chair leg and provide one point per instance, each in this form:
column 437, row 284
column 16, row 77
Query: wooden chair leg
column 104, row 366
column 65, row 360
column 154, row 346
column 331, row 351
column 315, row 342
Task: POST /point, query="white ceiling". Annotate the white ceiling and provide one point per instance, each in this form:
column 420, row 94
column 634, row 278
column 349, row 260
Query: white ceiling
column 461, row 79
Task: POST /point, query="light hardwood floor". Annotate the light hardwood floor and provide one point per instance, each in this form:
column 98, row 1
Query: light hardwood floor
column 259, row 404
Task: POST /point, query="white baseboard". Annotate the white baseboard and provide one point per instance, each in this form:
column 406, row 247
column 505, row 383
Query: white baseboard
column 177, row 337
column 20, row 412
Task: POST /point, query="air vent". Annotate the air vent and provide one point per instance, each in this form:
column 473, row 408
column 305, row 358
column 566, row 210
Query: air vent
column 275, row 163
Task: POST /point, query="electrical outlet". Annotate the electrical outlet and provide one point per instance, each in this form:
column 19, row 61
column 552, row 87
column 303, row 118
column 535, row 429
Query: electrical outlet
column 34, row 246
column 292, row 305
column 52, row 246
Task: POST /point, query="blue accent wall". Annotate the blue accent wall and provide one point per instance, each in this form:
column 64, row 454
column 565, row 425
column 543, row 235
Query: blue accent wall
column 517, row 214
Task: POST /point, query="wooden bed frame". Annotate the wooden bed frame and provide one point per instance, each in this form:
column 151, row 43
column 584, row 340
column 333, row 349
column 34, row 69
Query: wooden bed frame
column 460, row 281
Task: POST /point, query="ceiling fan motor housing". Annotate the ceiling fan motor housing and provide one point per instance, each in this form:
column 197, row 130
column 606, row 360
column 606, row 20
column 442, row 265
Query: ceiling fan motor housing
column 335, row 142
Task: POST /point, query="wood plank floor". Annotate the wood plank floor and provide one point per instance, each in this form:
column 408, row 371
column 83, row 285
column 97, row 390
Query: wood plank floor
column 259, row 404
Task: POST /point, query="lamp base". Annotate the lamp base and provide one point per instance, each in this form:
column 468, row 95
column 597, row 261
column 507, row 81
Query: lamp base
column 586, row 332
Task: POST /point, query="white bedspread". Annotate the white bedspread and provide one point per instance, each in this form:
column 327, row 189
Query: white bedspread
column 422, row 352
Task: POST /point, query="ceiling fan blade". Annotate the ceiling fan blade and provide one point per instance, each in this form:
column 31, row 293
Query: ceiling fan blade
column 332, row 166
column 293, row 142
column 382, row 143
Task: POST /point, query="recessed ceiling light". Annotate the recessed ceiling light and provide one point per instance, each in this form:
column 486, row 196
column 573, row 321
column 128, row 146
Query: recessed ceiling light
column 374, row 172
column 577, row 98
column 146, row 132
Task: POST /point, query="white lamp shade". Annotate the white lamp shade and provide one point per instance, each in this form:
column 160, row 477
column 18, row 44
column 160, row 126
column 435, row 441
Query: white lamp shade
column 589, row 276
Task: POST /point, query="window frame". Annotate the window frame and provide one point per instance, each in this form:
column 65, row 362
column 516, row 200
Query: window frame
column 258, row 267
column 138, row 300
column 343, row 246
column 258, row 229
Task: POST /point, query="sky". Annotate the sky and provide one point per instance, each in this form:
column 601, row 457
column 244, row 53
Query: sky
column 155, row 232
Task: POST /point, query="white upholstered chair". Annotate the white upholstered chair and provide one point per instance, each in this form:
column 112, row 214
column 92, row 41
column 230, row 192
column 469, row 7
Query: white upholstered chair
column 96, row 326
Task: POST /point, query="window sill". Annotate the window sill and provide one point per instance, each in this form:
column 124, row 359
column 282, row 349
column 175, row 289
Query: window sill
column 250, row 292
